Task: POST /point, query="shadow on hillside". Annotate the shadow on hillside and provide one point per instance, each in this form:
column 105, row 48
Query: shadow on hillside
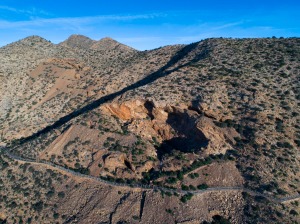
column 162, row 72
column 189, row 138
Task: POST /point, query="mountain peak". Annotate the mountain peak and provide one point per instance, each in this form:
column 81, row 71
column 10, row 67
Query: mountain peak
column 104, row 44
column 78, row 41
column 79, row 37
column 107, row 39
column 107, row 43
column 33, row 40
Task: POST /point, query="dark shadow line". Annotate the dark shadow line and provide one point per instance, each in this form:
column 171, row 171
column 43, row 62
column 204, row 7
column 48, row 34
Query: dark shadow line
column 162, row 72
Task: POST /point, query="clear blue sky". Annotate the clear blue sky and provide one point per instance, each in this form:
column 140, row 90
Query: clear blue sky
column 148, row 24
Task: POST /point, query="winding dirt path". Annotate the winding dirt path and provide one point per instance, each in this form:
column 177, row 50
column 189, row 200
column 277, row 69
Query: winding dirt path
column 150, row 187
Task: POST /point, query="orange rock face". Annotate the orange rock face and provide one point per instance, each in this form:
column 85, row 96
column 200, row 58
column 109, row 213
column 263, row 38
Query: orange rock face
column 168, row 123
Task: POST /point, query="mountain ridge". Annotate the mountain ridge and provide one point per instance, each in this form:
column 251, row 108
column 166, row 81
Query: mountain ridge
column 104, row 44
column 216, row 113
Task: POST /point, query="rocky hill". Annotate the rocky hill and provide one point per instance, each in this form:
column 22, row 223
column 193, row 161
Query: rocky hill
column 105, row 44
column 78, row 41
column 200, row 133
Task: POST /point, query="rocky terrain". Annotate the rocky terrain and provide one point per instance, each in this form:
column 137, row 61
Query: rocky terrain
column 98, row 132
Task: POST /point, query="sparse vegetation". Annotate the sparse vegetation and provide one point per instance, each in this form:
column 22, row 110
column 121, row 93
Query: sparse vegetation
column 189, row 116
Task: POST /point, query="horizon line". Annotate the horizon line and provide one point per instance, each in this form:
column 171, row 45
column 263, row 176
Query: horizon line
column 119, row 40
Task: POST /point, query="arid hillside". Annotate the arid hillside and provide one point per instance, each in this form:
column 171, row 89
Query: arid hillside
column 98, row 132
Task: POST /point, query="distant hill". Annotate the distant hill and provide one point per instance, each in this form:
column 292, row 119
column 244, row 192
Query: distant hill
column 105, row 44
column 78, row 41
column 108, row 43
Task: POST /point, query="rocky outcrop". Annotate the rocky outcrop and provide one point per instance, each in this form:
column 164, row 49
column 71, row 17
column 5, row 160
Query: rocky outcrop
column 117, row 160
column 220, row 139
column 127, row 110
column 174, row 127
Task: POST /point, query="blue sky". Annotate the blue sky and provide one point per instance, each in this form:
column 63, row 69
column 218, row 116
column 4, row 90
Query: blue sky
column 148, row 24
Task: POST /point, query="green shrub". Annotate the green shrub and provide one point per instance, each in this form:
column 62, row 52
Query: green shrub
column 61, row 194
column 186, row 197
column 202, row 186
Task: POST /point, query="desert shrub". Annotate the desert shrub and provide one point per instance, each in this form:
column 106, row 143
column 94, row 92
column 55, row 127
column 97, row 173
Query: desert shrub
column 293, row 212
column 56, row 215
column 50, row 193
column 217, row 219
column 61, row 194
column 184, row 187
column 202, row 186
column 284, row 145
column 172, row 180
column 186, row 197
column 38, row 206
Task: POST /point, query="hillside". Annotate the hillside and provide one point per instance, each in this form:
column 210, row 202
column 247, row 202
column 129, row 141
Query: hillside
column 78, row 41
column 200, row 133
